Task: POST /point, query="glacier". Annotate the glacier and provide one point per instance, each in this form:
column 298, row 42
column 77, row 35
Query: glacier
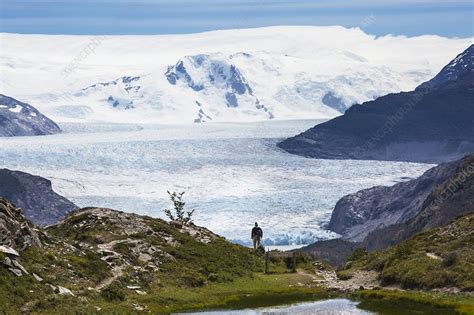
column 242, row 75
column 233, row 174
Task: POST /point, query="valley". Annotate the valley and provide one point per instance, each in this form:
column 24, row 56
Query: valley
column 233, row 174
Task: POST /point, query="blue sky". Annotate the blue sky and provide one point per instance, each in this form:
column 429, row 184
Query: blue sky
column 408, row 17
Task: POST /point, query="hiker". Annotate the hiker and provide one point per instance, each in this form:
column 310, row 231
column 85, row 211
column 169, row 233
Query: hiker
column 256, row 236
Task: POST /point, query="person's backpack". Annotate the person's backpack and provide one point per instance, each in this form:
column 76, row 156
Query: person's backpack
column 259, row 232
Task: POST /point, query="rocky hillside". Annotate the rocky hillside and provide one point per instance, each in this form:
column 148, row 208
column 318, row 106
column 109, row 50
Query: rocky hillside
column 105, row 259
column 434, row 123
column 451, row 198
column 21, row 119
column 35, row 196
column 381, row 217
column 16, row 232
column 357, row 214
column 384, row 216
column 439, row 258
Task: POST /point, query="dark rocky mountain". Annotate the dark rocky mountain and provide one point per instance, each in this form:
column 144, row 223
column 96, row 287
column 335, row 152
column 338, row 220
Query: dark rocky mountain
column 434, row 123
column 35, row 196
column 453, row 197
column 21, row 119
column 334, row 251
column 357, row 214
column 381, row 217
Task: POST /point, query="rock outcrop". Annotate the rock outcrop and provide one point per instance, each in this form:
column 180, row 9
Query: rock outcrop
column 434, row 123
column 16, row 232
column 121, row 247
column 35, row 195
column 383, row 216
column 21, row 119
column 357, row 214
column 452, row 198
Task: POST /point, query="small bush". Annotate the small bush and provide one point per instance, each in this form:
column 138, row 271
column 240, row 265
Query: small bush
column 403, row 250
column 177, row 213
column 344, row 274
column 450, row 259
column 90, row 266
column 113, row 292
column 357, row 254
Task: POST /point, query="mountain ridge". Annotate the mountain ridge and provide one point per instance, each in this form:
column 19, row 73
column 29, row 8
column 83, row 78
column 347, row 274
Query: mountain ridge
column 21, row 119
column 35, row 195
column 294, row 72
column 428, row 126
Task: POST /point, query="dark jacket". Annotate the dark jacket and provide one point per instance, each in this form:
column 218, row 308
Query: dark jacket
column 257, row 231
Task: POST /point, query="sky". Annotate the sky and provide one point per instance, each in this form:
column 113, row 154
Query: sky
column 110, row 17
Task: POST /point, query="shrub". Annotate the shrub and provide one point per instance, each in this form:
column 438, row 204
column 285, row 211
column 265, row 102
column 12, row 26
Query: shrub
column 357, row 254
column 449, row 259
column 183, row 217
column 344, row 274
column 113, row 292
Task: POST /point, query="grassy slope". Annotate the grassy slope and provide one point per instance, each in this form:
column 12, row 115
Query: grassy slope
column 192, row 275
column 410, row 266
column 218, row 274
column 376, row 299
column 409, row 263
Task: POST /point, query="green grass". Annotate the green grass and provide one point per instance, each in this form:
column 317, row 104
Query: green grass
column 190, row 275
column 408, row 264
column 193, row 275
column 256, row 291
column 437, row 301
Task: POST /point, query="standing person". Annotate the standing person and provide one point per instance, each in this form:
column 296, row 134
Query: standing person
column 256, row 236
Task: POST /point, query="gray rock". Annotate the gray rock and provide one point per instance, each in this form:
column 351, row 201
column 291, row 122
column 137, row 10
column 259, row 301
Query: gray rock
column 380, row 217
column 450, row 199
column 8, row 262
column 16, row 272
column 37, row 278
column 8, row 250
column 16, row 231
column 64, row 291
column 19, row 266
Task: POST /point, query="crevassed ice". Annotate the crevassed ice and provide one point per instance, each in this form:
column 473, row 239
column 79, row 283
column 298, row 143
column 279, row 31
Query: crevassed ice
column 233, row 174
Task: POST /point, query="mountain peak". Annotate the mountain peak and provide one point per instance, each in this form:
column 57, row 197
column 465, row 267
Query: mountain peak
column 459, row 66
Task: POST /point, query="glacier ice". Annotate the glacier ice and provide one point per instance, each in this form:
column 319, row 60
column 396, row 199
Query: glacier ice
column 233, row 174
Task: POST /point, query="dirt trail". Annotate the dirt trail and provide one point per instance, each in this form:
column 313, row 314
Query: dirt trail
column 365, row 279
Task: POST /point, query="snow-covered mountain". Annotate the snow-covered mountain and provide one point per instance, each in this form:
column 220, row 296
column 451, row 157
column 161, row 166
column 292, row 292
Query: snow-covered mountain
column 462, row 64
column 233, row 75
